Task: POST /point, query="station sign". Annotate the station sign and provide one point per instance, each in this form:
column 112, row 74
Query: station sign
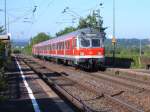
column 113, row 40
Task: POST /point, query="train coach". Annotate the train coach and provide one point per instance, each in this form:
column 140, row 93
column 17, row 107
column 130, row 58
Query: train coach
column 84, row 48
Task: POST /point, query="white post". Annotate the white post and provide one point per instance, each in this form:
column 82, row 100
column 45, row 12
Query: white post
column 140, row 53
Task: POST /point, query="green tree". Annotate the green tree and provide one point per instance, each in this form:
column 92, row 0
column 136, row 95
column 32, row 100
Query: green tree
column 1, row 29
column 35, row 40
column 2, row 48
column 65, row 31
column 92, row 21
column 39, row 38
column 2, row 52
column 2, row 65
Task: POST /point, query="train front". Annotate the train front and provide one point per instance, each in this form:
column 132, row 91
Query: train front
column 91, row 50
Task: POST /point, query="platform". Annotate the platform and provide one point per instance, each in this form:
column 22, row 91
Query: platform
column 19, row 98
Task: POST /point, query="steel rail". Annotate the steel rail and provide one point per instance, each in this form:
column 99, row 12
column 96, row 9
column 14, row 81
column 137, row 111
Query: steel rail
column 113, row 99
column 74, row 100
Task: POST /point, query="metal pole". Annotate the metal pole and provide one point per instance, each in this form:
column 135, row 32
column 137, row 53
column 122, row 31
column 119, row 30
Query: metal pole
column 114, row 20
column 8, row 25
column 114, row 32
column 140, row 48
column 98, row 15
column 5, row 18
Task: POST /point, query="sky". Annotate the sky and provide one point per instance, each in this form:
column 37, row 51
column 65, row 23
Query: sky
column 132, row 16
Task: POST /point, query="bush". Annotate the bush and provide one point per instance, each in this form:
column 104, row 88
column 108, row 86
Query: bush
column 2, row 80
column 17, row 51
column 3, row 85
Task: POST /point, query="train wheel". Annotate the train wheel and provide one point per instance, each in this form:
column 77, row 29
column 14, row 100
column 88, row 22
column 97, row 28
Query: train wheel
column 102, row 68
column 66, row 62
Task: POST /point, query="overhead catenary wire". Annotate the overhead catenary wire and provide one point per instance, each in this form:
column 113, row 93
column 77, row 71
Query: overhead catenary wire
column 20, row 17
column 44, row 10
column 40, row 15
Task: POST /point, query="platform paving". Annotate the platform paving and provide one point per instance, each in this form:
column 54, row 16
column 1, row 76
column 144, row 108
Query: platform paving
column 18, row 96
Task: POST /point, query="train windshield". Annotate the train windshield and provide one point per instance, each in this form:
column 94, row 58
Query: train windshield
column 95, row 42
column 85, row 42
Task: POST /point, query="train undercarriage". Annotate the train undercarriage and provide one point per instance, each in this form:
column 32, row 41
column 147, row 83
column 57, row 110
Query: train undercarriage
column 88, row 64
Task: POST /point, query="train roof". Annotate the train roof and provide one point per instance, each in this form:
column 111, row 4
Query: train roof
column 68, row 36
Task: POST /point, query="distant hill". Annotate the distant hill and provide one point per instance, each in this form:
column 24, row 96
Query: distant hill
column 125, row 43
column 19, row 43
column 128, row 43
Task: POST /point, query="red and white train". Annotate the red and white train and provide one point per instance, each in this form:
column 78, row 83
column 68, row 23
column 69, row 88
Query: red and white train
column 84, row 47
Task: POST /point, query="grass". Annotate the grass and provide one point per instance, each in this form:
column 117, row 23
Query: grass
column 3, row 78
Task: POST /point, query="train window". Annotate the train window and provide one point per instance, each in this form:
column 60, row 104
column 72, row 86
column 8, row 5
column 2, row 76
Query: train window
column 95, row 42
column 62, row 45
column 74, row 43
column 57, row 46
column 68, row 45
column 53, row 47
column 85, row 43
column 65, row 45
column 49, row 47
column 102, row 43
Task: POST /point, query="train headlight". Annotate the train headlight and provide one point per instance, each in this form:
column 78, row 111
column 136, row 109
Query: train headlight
column 81, row 53
column 99, row 53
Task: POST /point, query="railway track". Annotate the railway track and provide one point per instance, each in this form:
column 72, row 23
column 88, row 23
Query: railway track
column 58, row 88
column 143, row 71
column 137, row 79
column 113, row 98
column 130, row 71
column 125, row 81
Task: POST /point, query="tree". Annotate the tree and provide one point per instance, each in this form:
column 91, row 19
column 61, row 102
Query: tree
column 35, row 40
column 2, row 48
column 1, row 29
column 39, row 38
column 65, row 31
column 92, row 21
